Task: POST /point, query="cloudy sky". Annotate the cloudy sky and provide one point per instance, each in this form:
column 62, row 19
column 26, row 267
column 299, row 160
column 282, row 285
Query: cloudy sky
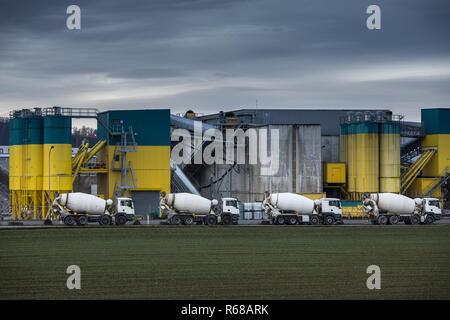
column 213, row 55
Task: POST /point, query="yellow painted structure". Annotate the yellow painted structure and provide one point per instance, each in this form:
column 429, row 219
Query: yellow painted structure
column 151, row 169
column 343, row 144
column 390, row 157
column 420, row 186
column 367, row 150
column 334, row 173
column 353, row 212
column 441, row 160
column 60, row 168
column 414, row 170
column 16, row 127
column 137, row 156
column 352, row 157
column 435, row 144
column 31, row 136
column 372, row 154
column 26, row 137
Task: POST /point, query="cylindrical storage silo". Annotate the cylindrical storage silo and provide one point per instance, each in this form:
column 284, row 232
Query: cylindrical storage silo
column 32, row 165
column 32, row 153
column 15, row 153
column 367, row 157
column 352, row 157
column 390, row 157
column 15, row 164
column 58, row 161
column 343, row 143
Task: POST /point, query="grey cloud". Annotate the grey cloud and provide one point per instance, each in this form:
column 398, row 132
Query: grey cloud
column 176, row 42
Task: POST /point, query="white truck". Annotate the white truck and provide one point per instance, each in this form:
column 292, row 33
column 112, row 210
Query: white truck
column 391, row 208
column 81, row 208
column 291, row 208
column 187, row 208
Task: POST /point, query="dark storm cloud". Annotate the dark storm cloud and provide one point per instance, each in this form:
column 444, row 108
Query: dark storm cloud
column 223, row 54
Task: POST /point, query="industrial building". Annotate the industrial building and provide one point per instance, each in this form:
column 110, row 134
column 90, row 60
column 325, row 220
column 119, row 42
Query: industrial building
column 341, row 153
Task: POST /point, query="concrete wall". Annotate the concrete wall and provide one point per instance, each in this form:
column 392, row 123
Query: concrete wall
column 330, row 148
column 309, row 159
column 299, row 168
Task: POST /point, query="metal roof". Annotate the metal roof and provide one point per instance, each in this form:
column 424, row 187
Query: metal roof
column 328, row 119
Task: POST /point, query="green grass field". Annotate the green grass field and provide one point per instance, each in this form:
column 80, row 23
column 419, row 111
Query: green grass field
column 261, row 262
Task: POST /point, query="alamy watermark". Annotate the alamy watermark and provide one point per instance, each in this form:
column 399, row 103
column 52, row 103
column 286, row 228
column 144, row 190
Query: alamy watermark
column 373, row 22
column 73, row 22
column 74, row 280
column 374, row 280
column 221, row 150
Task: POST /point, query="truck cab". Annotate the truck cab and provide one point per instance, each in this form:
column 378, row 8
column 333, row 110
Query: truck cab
column 230, row 206
column 125, row 206
column 331, row 206
column 431, row 209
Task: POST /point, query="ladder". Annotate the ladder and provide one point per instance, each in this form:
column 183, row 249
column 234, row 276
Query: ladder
column 437, row 182
column 127, row 144
column 413, row 171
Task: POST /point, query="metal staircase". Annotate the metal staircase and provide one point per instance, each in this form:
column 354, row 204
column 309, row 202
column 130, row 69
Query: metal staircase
column 437, row 182
column 409, row 152
column 413, row 171
column 179, row 181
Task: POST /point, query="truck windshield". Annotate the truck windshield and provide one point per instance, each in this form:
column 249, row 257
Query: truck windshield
column 434, row 203
column 231, row 203
column 335, row 203
column 126, row 203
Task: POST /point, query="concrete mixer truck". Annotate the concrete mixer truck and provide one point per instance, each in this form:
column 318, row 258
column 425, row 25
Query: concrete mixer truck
column 81, row 208
column 291, row 208
column 391, row 208
column 187, row 208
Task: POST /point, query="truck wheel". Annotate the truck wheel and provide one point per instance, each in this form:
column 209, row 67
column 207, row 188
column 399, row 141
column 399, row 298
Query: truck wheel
column 226, row 220
column 314, row 220
column 429, row 219
column 121, row 220
column 175, row 220
column 69, row 221
column 188, row 220
column 104, row 220
column 292, row 220
column 414, row 219
column 211, row 219
column 82, row 220
column 393, row 219
column 382, row 220
column 280, row 220
column 329, row 220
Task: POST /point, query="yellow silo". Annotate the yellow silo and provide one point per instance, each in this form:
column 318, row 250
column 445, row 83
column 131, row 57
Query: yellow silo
column 15, row 164
column 57, row 155
column 367, row 158
column 343, row 140
column 32, row 165
column 390, row 157
column 352, row 158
